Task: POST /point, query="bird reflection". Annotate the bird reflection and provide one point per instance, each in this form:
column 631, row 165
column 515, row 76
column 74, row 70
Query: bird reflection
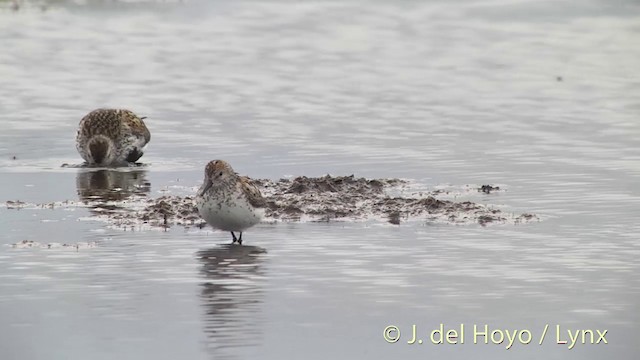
column 103, row 188
column 232, row 297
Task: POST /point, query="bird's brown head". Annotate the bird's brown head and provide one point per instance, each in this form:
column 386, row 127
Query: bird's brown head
column 218, row 170
column 215, row 173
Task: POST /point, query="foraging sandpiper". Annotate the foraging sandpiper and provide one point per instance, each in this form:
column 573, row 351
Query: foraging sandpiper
column 111, row 137
column 228, row 201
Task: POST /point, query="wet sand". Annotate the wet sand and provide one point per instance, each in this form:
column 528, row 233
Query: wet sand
column 121, row 199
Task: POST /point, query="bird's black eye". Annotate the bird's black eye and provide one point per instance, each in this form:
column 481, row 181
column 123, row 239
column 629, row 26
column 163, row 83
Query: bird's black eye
column 220, row 173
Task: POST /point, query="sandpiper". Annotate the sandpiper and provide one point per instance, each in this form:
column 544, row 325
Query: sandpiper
column 111, row 137
column 228, row 201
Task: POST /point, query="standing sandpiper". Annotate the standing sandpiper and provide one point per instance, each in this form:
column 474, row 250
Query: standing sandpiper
column 111, row 137
column 228, row 201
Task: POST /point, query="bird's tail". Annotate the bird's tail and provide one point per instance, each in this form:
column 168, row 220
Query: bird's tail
column 100, row 148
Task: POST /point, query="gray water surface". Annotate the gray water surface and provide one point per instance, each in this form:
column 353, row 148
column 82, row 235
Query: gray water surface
column 540, row 98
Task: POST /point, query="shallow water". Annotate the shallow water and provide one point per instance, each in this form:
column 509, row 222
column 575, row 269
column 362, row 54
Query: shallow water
column 540, row 98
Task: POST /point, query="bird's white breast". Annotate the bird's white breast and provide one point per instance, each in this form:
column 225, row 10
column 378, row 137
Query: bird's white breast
column 229, row 213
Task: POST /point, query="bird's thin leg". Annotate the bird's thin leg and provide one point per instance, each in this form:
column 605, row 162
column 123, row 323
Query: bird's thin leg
column 240, row 238
column 234, row 237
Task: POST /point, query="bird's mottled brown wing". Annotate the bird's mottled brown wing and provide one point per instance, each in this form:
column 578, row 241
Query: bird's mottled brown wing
column 252, row 192
column 135, row 125
column 101, row 122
